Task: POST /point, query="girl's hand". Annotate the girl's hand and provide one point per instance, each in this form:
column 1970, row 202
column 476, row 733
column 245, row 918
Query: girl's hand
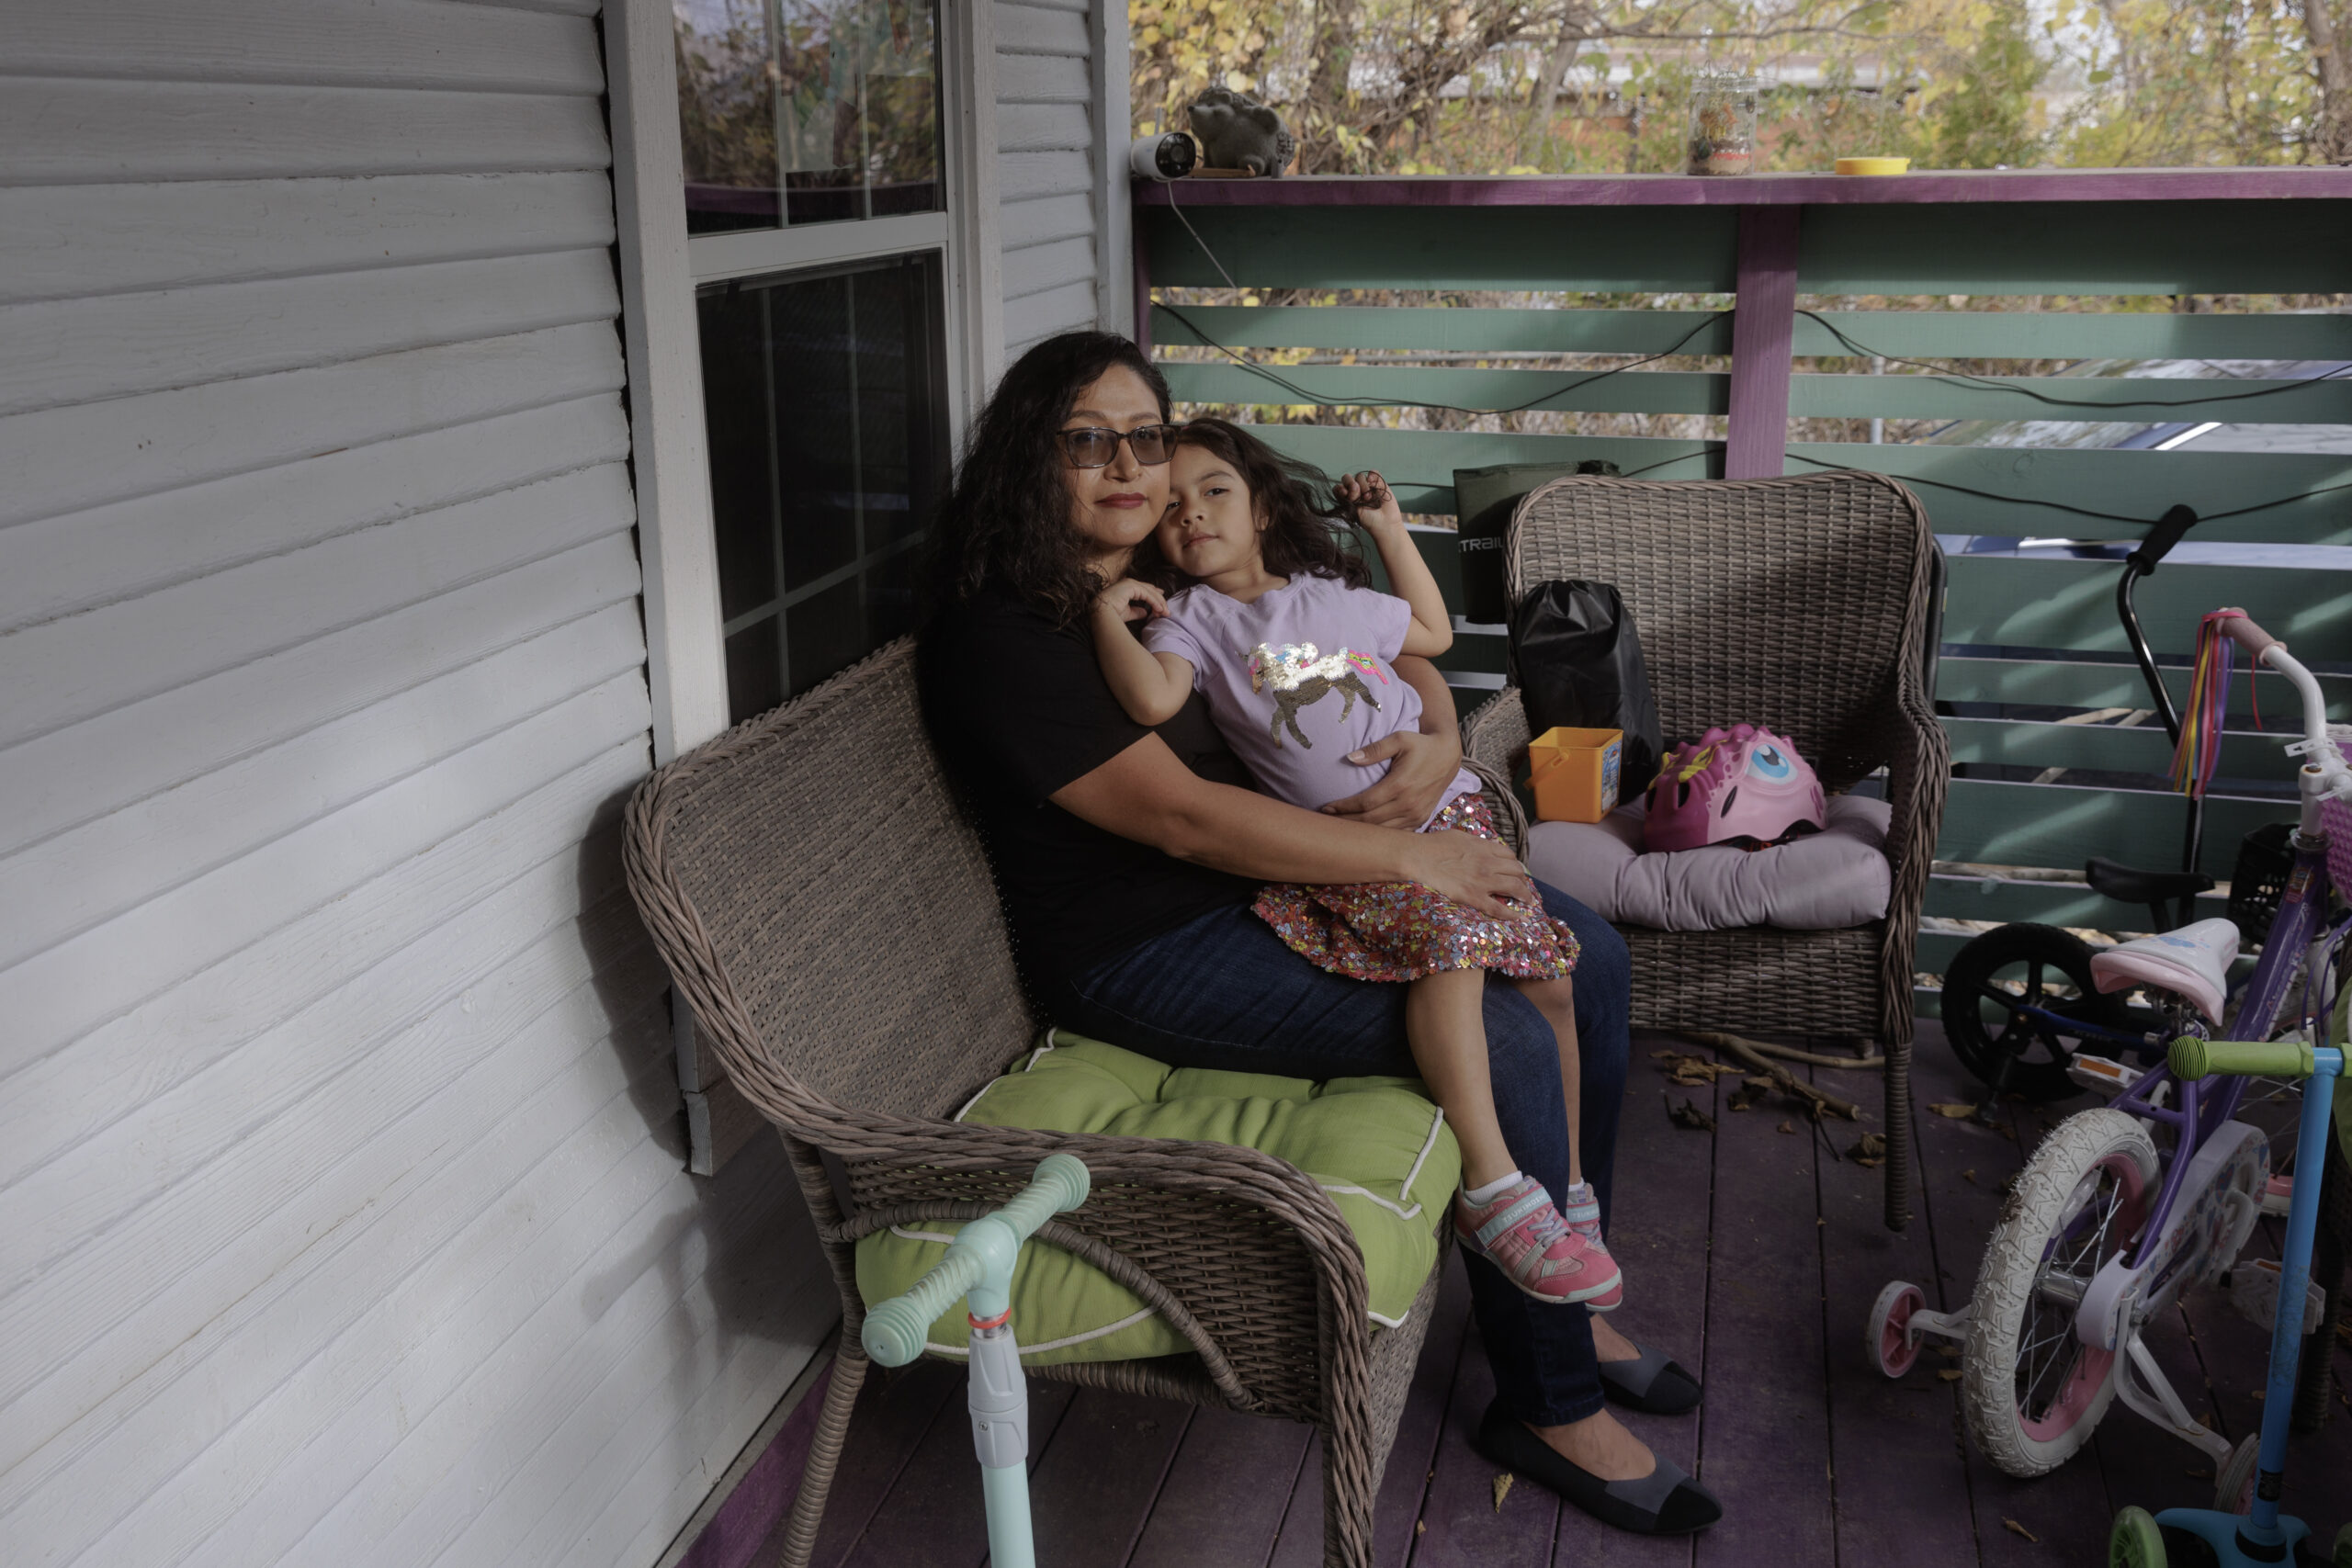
column 1128, row 600
column 1368, row 495
column 1478, row 872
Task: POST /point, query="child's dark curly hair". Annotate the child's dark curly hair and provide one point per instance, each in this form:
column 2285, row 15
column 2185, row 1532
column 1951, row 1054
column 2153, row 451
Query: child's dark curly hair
column 1305, row 530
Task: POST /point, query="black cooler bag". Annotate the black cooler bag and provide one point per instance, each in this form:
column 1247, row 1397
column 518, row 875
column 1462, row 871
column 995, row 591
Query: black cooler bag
column 1577, row 661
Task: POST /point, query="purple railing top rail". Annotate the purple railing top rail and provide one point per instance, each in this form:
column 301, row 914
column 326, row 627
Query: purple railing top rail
column 1761, row 190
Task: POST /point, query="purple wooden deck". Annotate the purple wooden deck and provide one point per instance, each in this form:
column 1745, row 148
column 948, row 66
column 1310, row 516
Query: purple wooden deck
column 1817, row 1458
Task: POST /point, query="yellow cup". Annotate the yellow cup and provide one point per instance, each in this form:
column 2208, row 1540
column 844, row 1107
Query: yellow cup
column 1873, row 165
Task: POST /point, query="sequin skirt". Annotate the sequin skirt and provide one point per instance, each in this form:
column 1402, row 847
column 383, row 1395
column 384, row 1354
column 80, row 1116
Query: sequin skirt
column 1401, row 930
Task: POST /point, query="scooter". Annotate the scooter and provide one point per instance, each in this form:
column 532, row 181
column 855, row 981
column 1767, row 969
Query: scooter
column 979, row 1266
column 2265, row 1536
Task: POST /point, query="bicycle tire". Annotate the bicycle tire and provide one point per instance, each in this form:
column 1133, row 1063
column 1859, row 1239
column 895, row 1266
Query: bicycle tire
column 2016, row 1330
column 2002, row 1055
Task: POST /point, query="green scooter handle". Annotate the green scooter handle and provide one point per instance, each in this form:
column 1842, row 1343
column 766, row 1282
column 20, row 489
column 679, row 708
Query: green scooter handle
column 895, row 1329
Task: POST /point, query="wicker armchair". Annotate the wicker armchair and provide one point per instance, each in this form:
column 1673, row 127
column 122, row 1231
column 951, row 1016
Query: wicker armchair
column 1803, row 603
column 828, row 915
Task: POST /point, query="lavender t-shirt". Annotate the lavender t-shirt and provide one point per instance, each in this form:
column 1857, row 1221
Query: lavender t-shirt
column 1297, row 679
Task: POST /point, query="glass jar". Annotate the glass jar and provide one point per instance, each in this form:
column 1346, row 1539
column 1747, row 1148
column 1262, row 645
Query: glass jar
column 1722, row 124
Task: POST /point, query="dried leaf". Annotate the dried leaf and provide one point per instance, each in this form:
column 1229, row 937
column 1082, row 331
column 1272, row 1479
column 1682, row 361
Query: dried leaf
column 1955, row 1112
column 1502, row 1489
column 2197, row 1474
column 1791, row 1127
column 1421, row 1526
column 1688, row 1115
column 1969, row 1177
column 1871, row 1148
column 1744, row 1097
column 1691, row 1072
column 1949, row 1374
column 2016, row 1529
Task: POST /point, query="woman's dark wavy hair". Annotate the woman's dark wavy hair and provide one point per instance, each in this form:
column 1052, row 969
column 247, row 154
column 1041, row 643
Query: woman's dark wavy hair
column 1006, row 520
column 1305, row 532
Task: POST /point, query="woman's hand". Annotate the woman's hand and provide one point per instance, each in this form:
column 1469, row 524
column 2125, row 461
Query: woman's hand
column 1478, row 872
column 1368, row 497
column 1128, row 600
column 1421, row 768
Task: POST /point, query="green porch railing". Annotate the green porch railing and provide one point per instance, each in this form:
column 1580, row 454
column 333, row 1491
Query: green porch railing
column 2025, row 631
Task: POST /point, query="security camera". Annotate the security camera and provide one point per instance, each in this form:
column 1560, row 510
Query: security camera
column 1169, row 156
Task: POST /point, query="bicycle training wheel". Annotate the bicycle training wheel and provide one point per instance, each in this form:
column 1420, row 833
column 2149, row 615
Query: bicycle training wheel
column 1987, row 982
column 2032, row 1391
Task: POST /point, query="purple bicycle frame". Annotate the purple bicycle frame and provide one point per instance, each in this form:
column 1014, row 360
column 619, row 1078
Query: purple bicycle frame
column 2201, row 1106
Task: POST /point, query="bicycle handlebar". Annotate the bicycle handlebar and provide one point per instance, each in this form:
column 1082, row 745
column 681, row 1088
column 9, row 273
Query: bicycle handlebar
column 2239, row 627
column 894, row 1330
column 2191, row 1058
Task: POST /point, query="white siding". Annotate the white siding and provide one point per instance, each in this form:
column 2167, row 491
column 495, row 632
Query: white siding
column 343, row 1217
column 1052, row 170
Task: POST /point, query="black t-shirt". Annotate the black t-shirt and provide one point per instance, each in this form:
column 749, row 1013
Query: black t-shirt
column 1018, row 708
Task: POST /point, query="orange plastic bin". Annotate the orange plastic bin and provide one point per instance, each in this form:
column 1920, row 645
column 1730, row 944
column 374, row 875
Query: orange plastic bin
column 1575, row 772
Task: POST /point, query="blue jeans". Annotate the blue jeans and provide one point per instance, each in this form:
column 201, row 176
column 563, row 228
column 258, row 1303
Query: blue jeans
column 1224, row 992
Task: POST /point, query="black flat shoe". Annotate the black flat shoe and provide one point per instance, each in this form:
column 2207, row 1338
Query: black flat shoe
column 1665, row 1502
column 1654, row 1382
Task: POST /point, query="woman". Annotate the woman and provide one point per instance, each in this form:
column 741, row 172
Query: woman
column 1128, row 879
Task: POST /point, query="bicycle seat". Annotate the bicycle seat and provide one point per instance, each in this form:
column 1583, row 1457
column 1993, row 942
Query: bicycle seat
column 2127, row 885
column 2192, row 963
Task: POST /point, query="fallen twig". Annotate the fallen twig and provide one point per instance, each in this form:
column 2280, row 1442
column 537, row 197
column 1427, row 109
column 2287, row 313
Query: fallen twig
column 1746, row 1051
column 1788, row 1053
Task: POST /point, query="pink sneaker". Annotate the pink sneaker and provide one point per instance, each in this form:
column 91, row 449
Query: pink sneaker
column 1523, row 1235
column 1584, row 1218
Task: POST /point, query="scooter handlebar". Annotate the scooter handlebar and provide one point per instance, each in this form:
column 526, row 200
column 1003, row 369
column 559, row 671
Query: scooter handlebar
column 2191, row 1058
column 894, row 1330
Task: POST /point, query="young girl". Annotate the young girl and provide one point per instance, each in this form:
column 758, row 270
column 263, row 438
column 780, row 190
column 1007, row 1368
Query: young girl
column 1280, row 632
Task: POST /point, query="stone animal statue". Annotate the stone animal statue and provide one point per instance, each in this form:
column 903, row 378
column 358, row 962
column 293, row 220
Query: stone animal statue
column 1239, row 132
column 1302, row 674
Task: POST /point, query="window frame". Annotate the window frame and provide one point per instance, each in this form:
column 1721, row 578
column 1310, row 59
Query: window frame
column 661, row 267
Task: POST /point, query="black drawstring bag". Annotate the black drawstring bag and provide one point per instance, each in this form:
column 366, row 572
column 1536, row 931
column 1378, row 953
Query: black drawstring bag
column 1577, row 661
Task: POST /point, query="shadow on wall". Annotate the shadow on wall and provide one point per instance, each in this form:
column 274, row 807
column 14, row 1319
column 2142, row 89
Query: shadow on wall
column 726, row 1269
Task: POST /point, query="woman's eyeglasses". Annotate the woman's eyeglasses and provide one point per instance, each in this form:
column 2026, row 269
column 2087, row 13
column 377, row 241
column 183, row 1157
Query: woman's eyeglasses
column 1094, row 447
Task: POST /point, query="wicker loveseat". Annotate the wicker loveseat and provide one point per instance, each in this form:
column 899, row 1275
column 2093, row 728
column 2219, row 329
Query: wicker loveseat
column 1803, row 603
column 827, row 914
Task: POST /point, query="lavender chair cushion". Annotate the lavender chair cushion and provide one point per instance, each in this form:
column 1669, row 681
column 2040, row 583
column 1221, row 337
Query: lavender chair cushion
column 1821, row 882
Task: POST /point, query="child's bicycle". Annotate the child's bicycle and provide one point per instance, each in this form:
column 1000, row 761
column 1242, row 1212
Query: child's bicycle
column 2099, row 1234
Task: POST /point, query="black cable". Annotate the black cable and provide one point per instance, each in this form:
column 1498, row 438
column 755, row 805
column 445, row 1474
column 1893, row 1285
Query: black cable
column 1996, row 384
column 1306, row 396
column 2064, row 506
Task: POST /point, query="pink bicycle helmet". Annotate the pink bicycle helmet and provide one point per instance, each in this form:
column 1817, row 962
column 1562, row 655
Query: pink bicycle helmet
column 1746, row 782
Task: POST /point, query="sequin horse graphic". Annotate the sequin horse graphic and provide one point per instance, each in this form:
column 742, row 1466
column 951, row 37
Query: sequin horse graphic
column 1300, row 674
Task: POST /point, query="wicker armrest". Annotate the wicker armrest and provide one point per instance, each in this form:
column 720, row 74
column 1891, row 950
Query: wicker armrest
column 1496, row 732
column 1919, row 768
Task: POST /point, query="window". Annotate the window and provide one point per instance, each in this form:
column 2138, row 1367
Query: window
column 796, row 112
column 809, row 242
column 823, row 396
column 812, row 145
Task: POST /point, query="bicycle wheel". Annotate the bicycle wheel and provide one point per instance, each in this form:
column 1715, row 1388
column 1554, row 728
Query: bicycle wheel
column 1984, row 986
column 2032, row 1391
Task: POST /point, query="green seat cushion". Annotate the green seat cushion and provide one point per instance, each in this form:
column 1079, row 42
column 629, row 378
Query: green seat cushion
column 1376, row 1145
